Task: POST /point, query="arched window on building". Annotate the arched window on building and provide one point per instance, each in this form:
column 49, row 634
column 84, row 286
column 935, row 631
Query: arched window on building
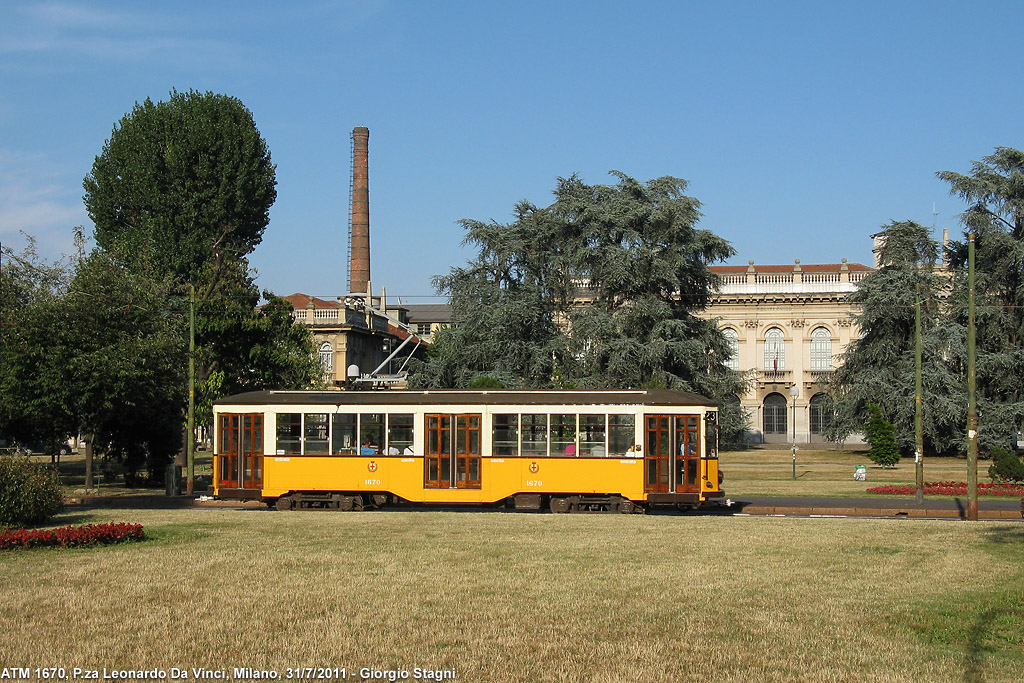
column 821, row 349
column 774, row 350
column 732, row 337
column 820, row 413
column 326, row 354
column 775, row 414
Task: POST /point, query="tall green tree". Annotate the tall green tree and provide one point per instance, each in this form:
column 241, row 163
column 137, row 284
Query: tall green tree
column 879, row 366
column 994, row 192
column 601, row 289
column 646, row 264
column 187, row 182
column 183, row 188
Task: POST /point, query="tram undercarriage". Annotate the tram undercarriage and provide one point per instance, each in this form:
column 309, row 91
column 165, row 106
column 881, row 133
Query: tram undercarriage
column 556, row 503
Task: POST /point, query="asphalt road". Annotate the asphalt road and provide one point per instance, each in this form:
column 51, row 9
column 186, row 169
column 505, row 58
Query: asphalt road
column 932, row 507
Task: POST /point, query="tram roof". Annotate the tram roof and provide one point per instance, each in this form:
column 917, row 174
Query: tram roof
column 647, row 397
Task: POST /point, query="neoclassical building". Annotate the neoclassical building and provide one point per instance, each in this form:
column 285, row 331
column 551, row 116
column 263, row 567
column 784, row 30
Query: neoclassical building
column 787, row 325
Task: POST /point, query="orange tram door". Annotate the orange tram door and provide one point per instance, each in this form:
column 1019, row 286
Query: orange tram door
column 674, row 471
column 238, row 462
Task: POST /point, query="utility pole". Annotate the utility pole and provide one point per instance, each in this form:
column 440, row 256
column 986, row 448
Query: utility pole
column 191, row 422
column 972, row 390
column 918, row 408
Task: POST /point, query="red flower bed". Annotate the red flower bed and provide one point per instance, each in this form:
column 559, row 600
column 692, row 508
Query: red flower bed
column 71, row 536
column 952, row 488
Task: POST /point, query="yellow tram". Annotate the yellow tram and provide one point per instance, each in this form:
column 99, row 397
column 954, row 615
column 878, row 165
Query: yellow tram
column 560, row 450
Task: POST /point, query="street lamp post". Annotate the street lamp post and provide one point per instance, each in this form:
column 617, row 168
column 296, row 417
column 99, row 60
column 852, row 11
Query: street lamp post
column 191, row 418
column 918, row 414
column 794, row 391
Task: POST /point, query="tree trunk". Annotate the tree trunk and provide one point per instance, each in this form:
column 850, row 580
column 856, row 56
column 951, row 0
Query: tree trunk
column 89, row 438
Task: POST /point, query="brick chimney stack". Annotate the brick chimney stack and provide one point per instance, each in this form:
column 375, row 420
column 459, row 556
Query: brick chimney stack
column 359, row 265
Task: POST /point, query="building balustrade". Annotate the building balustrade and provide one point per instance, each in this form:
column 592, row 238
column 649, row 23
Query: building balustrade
column 783, row 286
column 774, row 376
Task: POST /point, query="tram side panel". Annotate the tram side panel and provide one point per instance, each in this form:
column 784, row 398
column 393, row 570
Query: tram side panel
column 288, row 473
column 606, row 476
column 502, row 478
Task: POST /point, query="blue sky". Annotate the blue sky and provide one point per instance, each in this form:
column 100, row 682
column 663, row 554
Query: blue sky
column 802, row 127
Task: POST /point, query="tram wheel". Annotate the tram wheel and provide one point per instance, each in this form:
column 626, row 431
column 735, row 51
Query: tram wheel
column 626, row 507
column 284, row 503
column 560, row 505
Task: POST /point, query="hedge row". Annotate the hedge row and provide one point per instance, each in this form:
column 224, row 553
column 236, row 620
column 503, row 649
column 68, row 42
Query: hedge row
column 71, row 536
column 951, row 488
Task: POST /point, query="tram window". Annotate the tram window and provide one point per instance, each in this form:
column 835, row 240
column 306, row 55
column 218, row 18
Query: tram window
column 592, row 435
column 686, row 436
column 563, row 435
column 289, row 433
column 439, row 435
column 400, row 434
column 343, row 434
column 711, row 435
column 621, row 434
column 506, row 434
column 371, row 433
column 315, row 430
column 535, row 435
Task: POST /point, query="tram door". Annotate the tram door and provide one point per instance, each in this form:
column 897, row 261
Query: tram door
column 453, row 452
column 240, row 458
column 672, row 455
column 657, row 454
column 252, row 451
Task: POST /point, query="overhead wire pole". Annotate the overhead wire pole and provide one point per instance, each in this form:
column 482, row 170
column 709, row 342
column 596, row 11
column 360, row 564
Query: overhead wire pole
column 918, row 408
column 972, row 390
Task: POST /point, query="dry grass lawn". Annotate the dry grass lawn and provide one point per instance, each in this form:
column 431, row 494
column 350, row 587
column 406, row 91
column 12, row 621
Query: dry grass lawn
column 827, row 473
column 529, row 597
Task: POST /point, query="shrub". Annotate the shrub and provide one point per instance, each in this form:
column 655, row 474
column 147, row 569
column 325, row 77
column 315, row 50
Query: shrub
column 1006, row 466
column 29, row 493
column 881, row 434
column 486, row 382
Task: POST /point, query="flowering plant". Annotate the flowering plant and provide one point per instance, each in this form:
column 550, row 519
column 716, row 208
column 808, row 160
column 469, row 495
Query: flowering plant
column 951, row 488
column 71, row 536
